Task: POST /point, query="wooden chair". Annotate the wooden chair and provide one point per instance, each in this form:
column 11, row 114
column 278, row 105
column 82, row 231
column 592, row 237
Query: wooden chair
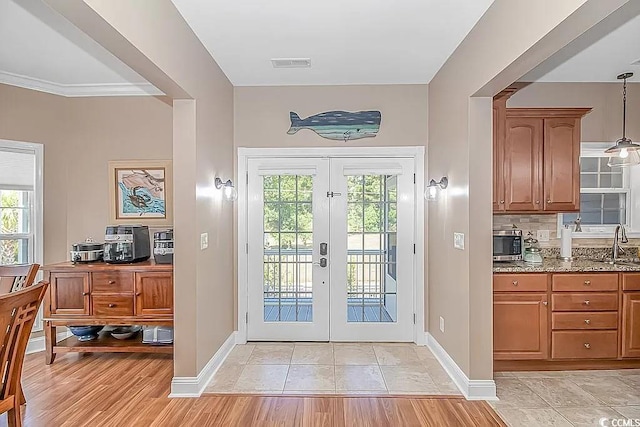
column 18, row 311
column 16, row 277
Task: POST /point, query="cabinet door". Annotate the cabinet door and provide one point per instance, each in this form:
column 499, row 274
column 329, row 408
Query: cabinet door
column 562, row 164
column 154, row 294
column 69, row 293
column 631, row 324
column 520, row 329
column 523, row 164
column 499, row 116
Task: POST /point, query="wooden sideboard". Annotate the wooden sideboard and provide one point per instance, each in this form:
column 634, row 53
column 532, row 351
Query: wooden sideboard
column 107, row 294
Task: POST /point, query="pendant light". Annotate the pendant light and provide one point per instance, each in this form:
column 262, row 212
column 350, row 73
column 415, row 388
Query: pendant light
column 625, row 152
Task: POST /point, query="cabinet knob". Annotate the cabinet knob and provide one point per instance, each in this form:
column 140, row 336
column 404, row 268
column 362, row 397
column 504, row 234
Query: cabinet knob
column 587, row 345
column 587, row 321
column 111, row 282
column 537, row 202
column 515, row 283
column 586, row 302
column 84, row 294
column 111, row 305
column 138, row 294
column 587, row 282
column 545, row 303
column 502, row 202
column 549, row 201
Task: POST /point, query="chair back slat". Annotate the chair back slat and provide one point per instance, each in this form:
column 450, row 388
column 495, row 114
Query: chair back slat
column 18, row 311
column 16, row 277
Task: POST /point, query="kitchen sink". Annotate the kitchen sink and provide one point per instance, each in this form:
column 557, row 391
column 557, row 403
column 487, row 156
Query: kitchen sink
column 631, row 262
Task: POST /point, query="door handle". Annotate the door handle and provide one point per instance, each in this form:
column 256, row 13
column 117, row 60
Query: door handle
column 322, row 263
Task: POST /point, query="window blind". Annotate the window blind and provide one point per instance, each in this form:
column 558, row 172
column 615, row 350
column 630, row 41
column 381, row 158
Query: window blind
column 17, row 169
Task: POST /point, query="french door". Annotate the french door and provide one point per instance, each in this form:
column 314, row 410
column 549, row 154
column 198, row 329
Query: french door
column 330, row 249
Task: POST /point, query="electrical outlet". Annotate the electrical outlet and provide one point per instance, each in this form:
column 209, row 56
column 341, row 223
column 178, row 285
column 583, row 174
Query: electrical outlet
column 458, row 241
column 441, row 324
column 204, row 241
column 543, row 235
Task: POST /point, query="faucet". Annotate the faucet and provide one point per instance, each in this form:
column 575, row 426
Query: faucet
column 616, row 249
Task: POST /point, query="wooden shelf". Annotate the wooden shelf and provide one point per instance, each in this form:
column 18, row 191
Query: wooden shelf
column 106, row 343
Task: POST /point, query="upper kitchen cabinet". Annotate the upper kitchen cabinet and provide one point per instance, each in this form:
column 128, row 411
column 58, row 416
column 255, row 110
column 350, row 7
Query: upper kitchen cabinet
column 536, row 159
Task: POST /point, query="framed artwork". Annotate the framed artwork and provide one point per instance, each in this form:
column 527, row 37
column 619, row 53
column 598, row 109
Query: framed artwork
column 140, row 192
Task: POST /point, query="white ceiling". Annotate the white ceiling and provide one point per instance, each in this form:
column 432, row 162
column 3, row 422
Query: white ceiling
column 601, row 60
column 41, row 50
column 349, row 42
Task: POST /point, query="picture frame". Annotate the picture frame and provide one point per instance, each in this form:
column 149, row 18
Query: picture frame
column 141, row 192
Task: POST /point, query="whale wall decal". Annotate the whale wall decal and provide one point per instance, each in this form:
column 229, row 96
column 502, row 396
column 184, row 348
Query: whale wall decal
column 339, row 125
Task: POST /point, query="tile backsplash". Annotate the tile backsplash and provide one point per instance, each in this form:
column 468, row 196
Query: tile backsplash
column 534, row 223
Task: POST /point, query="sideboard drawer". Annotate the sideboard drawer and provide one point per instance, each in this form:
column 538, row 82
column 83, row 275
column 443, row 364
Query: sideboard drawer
column 584, row 344
column 584, row 302
column 519, row 282
column 112, row 282
column 112, row 305
column 585, row 282
column 586, row 320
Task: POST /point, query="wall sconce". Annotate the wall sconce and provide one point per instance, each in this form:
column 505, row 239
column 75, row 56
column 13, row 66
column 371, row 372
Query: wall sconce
column 431, row 194
column 228, row 190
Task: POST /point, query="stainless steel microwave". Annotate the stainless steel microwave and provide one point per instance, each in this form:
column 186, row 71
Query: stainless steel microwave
column 507, row 245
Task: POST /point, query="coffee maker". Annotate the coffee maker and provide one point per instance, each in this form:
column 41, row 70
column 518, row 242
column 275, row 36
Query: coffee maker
column 126, row 243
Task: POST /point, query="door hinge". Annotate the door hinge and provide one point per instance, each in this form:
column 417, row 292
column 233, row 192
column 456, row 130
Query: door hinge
column 247, row 174
column 246, row 248
column 414, row 318
column 246, row 318
column 414, row 248
column 414, row 178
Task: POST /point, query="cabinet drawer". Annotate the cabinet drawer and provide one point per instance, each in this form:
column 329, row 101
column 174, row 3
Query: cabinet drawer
column 586, row 320
column 519, row 282
column 585, row 282
column 112, row 305
column 584, row 302
column 584, row 344
column 112, row 282
column 631, row 282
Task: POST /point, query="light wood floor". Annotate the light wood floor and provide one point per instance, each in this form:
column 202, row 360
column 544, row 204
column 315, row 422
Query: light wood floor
column 131, row 390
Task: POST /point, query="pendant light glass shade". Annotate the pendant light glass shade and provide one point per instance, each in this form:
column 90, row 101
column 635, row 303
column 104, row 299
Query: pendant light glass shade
column 625, row 152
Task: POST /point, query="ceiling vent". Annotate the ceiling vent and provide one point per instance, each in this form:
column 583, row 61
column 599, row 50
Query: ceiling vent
column 291, row 62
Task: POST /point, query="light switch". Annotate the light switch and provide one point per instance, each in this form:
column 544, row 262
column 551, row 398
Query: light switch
column 458, row 241
column 204, row 241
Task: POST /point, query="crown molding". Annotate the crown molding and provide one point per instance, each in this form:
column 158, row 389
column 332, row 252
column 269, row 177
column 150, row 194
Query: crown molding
column 79, row 90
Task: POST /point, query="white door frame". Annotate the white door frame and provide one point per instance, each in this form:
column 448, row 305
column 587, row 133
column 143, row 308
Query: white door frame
column 416, row 152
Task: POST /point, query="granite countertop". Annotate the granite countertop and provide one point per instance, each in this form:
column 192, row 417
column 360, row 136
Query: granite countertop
column 553, row 265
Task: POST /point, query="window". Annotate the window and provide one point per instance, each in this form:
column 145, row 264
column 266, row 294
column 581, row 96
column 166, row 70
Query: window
column 605, row 194
column 20, row 203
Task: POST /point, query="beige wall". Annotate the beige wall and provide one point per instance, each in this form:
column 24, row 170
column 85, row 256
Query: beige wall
column 262, row 114
column 80, row 135
column 152, row 38
column 604, row 122
column 511, row 38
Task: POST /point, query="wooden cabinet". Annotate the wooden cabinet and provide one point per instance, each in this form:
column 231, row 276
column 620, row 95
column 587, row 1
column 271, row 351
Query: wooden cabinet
column 154, row 294
column 536, row 159
column 631, row 324
column 69, row 293
column 107, row 294
column 520, row 326
column 561, row 164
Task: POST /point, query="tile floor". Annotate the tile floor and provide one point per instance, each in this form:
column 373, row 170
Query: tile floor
column 567, row 398
column 331, row 368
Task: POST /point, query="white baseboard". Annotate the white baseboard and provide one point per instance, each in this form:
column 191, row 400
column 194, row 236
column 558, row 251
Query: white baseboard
column 194, row 386
column 471, row 389
column 36, row 345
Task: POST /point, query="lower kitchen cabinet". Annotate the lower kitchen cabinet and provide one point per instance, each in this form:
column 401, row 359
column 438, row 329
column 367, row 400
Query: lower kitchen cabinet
column 520, row 326
column 631, row 324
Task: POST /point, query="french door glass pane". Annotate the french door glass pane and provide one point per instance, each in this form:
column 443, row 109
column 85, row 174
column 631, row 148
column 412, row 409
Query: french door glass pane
column 371, row 248
column 288, row 248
